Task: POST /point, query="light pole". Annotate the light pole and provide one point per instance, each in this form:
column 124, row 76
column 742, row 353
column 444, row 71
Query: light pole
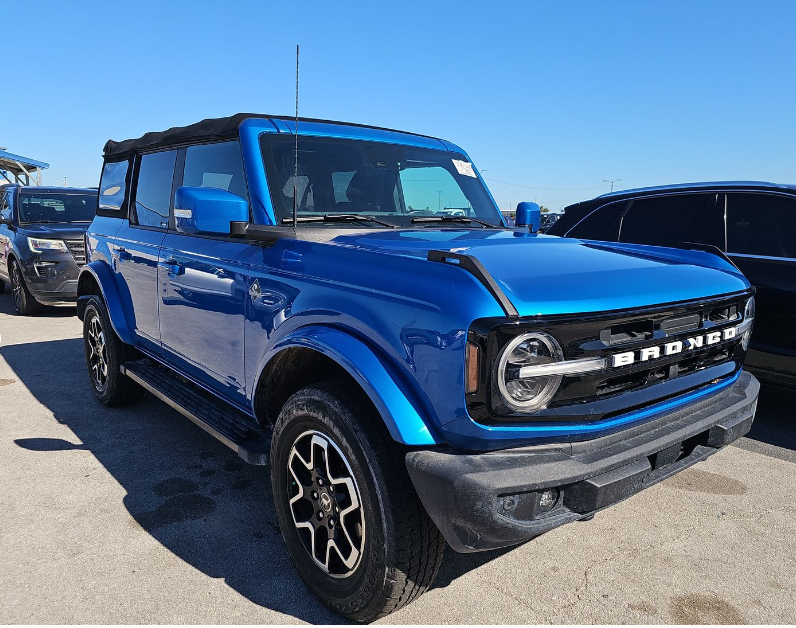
column 611, row 182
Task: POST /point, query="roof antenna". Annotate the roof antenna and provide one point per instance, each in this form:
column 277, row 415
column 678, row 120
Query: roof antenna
column 295, row 164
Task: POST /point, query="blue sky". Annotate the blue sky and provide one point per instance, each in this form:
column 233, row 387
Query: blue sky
column 551, row 97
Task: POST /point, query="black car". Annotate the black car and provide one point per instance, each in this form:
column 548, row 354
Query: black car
column 753, row 223
column 41, row 243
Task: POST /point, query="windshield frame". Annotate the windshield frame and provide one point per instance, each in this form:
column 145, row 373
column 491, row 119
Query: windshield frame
column 24, row 220
column 486, row 211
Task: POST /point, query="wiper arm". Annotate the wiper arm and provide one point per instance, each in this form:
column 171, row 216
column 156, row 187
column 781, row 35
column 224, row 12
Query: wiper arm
column 339, row 218
column 464, row 219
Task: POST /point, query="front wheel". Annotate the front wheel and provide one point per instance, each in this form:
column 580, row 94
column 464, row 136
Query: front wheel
column 352, row 522
column 24, row 302
column 105, row 353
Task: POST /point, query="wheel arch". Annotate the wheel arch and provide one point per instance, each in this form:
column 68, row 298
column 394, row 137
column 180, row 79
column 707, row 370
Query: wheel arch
column 316, row 353
column 96, row 278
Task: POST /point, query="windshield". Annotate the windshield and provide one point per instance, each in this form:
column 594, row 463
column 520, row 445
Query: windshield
column 57, row 207
column 393, row 182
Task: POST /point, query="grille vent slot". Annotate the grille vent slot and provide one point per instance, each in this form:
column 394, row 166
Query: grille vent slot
column 680, row 324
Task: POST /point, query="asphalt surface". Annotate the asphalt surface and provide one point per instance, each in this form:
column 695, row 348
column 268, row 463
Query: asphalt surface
column 135, row 515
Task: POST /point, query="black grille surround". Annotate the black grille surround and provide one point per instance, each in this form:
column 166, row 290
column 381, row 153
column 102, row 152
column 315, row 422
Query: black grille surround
column 600, row 395
column 78, row 250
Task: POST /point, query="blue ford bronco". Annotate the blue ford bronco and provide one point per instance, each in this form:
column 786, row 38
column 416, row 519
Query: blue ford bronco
column 346, row 305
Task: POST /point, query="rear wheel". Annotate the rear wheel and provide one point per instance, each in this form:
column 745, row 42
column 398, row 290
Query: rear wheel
column 24, row 302
column 105, row 353
column 352, row 522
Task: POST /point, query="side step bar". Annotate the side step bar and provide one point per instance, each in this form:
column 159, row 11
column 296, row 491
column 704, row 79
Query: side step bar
column 232, row 427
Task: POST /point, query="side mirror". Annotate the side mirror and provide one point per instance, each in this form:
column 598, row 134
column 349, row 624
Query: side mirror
column 208, row 210
column 6, row 221
column 528, row 215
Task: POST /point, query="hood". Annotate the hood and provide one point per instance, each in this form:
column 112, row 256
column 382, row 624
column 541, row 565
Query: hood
column 546, row 275
column 55, row 230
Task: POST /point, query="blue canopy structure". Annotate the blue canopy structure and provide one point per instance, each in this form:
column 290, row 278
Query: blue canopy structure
column 22, row 170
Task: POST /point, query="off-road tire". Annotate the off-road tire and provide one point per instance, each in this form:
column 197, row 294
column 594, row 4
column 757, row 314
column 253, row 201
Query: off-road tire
column 24, row 302
column 402, row 548
column 114, row 388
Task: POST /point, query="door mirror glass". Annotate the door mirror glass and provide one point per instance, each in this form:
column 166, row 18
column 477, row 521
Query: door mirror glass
column 208, row 210
column 528, row 215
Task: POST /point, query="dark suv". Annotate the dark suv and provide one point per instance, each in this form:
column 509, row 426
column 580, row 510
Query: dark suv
column 753, row 223
column 41, row 243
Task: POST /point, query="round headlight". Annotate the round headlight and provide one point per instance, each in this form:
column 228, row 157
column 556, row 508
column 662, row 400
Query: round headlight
column 529, row 393
column 748, row 322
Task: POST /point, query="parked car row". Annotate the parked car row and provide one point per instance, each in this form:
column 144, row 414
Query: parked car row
column 414, row 378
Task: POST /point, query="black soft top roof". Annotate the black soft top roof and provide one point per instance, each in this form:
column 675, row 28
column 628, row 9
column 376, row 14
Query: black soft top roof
column 206, row 130
column 210, row 130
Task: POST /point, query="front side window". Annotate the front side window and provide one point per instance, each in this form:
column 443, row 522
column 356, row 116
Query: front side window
column 153, row 189
column 215, row 166
column 666, row 220
column 45, row 207
column 761, row 224
column 113, row 186
column 393, row 182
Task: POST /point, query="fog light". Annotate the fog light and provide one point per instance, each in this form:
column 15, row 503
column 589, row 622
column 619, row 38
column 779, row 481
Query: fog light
column 548, row 500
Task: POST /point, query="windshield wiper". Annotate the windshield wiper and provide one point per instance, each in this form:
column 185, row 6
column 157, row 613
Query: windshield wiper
column 339, row 218
column 464, row 219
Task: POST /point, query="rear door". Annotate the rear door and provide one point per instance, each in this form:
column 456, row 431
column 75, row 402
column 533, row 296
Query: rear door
column 204, row 282
column 136, row 249
column 761, row 240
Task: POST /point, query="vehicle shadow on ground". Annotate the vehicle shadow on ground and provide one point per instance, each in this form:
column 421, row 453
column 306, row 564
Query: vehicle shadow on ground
column 186, row 489
column 774, row 422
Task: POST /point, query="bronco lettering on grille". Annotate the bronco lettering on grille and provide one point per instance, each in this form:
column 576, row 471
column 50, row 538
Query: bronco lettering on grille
column 672, row 348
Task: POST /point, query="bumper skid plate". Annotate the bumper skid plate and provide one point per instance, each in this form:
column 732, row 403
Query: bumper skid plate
column 491, row 500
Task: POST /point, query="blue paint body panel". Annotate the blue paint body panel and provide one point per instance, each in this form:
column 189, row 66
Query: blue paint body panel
column 218, row 310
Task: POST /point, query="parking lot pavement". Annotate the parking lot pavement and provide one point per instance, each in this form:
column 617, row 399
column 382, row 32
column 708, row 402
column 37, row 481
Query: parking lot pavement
column 135, row 515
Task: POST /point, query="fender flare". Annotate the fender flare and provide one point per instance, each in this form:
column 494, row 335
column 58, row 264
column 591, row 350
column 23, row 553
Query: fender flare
column 103, row 277
column 394, row 400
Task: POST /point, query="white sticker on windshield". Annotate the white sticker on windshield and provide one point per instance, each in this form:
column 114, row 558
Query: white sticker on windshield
column 464, row 167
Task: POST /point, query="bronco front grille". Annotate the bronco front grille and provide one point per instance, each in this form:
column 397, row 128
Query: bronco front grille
column 78, row 250
column 598, row 394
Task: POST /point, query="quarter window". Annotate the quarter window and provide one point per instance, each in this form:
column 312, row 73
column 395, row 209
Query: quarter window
column 113, row 186
column 5, row 209
column 761, row 224
column 602, row 224
column 666, row 220
column 153, row 189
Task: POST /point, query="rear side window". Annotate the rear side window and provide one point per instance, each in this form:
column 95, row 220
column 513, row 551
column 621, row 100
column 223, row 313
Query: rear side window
column 113, row 186
column 602, row 224
column 761, row 224
column 153, row 189
column 666, row 220
column 215, row 166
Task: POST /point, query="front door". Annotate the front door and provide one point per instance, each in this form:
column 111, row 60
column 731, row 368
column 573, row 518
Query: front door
column 136, row 250
column 203, row 280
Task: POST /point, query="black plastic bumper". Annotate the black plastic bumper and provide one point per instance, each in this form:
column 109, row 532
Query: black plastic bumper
column 496, row 499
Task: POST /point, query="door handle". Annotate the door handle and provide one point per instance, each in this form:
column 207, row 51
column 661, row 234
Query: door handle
column 172, row 266
column 124, row 254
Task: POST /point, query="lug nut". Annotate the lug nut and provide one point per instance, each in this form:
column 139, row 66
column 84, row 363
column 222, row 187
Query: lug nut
column 331, row 523
column 320, row 514
column 314, row 494
column 320, row 481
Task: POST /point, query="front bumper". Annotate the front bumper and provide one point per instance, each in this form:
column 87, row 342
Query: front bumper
column 490, row 500
column 52, row 281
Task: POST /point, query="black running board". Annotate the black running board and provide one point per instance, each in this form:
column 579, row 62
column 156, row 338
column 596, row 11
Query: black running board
column 232, row 427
